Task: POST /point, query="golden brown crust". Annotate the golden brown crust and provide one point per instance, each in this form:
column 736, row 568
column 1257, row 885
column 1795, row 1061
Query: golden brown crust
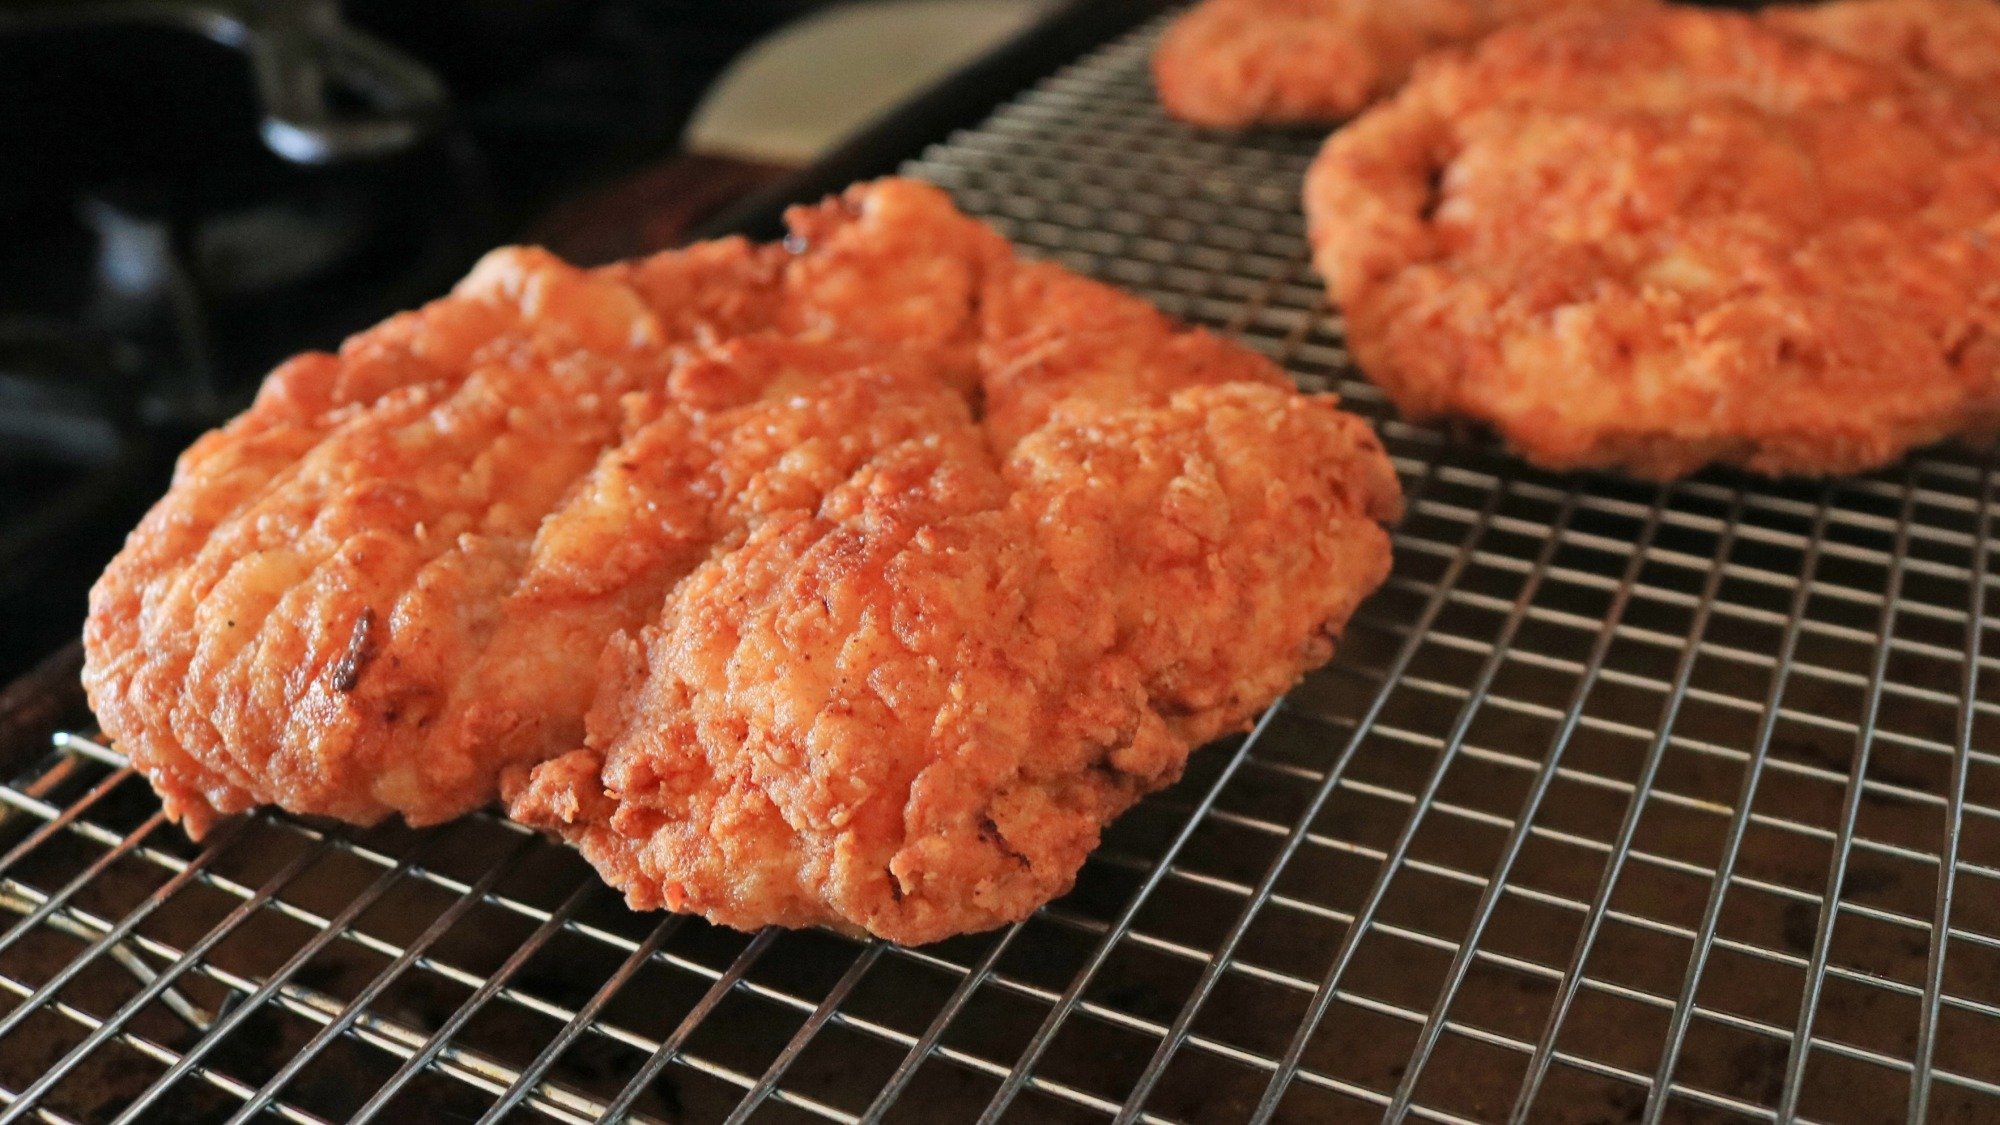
column 835, row 647
column 1231, row 63
column 1956, row 41
column 914, row 705
column 287, row 623
column 1663, row 239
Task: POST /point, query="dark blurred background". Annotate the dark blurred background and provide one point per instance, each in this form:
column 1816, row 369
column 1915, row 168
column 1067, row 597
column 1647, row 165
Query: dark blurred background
column 195, row 189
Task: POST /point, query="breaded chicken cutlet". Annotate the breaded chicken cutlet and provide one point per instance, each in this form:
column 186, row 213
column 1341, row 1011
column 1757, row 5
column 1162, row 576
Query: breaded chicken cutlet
column 1660, row 239
column 1232, row 63
column 854, row 581
column 1957, row 41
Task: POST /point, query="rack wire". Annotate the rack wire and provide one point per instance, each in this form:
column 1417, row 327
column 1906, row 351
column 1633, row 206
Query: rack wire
column 1620, row 802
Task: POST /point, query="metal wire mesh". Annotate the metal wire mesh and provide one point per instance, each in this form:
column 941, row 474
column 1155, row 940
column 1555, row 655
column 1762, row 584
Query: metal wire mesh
column 1620, row 802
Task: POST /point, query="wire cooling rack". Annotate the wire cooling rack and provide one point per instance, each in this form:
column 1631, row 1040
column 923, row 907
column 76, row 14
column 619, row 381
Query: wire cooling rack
column 1620, row 802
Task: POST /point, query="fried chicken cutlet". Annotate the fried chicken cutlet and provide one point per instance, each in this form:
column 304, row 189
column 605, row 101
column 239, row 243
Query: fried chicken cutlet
column 854, row 581
column 1661, row 239
column 1958, row 41
column 1232, row 63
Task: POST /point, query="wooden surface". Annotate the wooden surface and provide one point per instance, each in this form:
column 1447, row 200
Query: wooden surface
column 652, row 209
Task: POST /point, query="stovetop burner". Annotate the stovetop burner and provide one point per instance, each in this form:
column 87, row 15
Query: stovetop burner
column 199, row 188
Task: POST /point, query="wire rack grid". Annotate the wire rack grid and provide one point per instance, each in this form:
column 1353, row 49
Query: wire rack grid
column 1620, row 802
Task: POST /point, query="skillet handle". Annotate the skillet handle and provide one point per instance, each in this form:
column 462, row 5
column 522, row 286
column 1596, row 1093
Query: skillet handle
column 330, row 93
column 304, row 57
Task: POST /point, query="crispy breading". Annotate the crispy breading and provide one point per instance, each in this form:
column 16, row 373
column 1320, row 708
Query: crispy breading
column 1231, row 63
column 1957, row 41
column 1662, row 239
column 288, row 623
column 909, row 709
column 857, row 582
